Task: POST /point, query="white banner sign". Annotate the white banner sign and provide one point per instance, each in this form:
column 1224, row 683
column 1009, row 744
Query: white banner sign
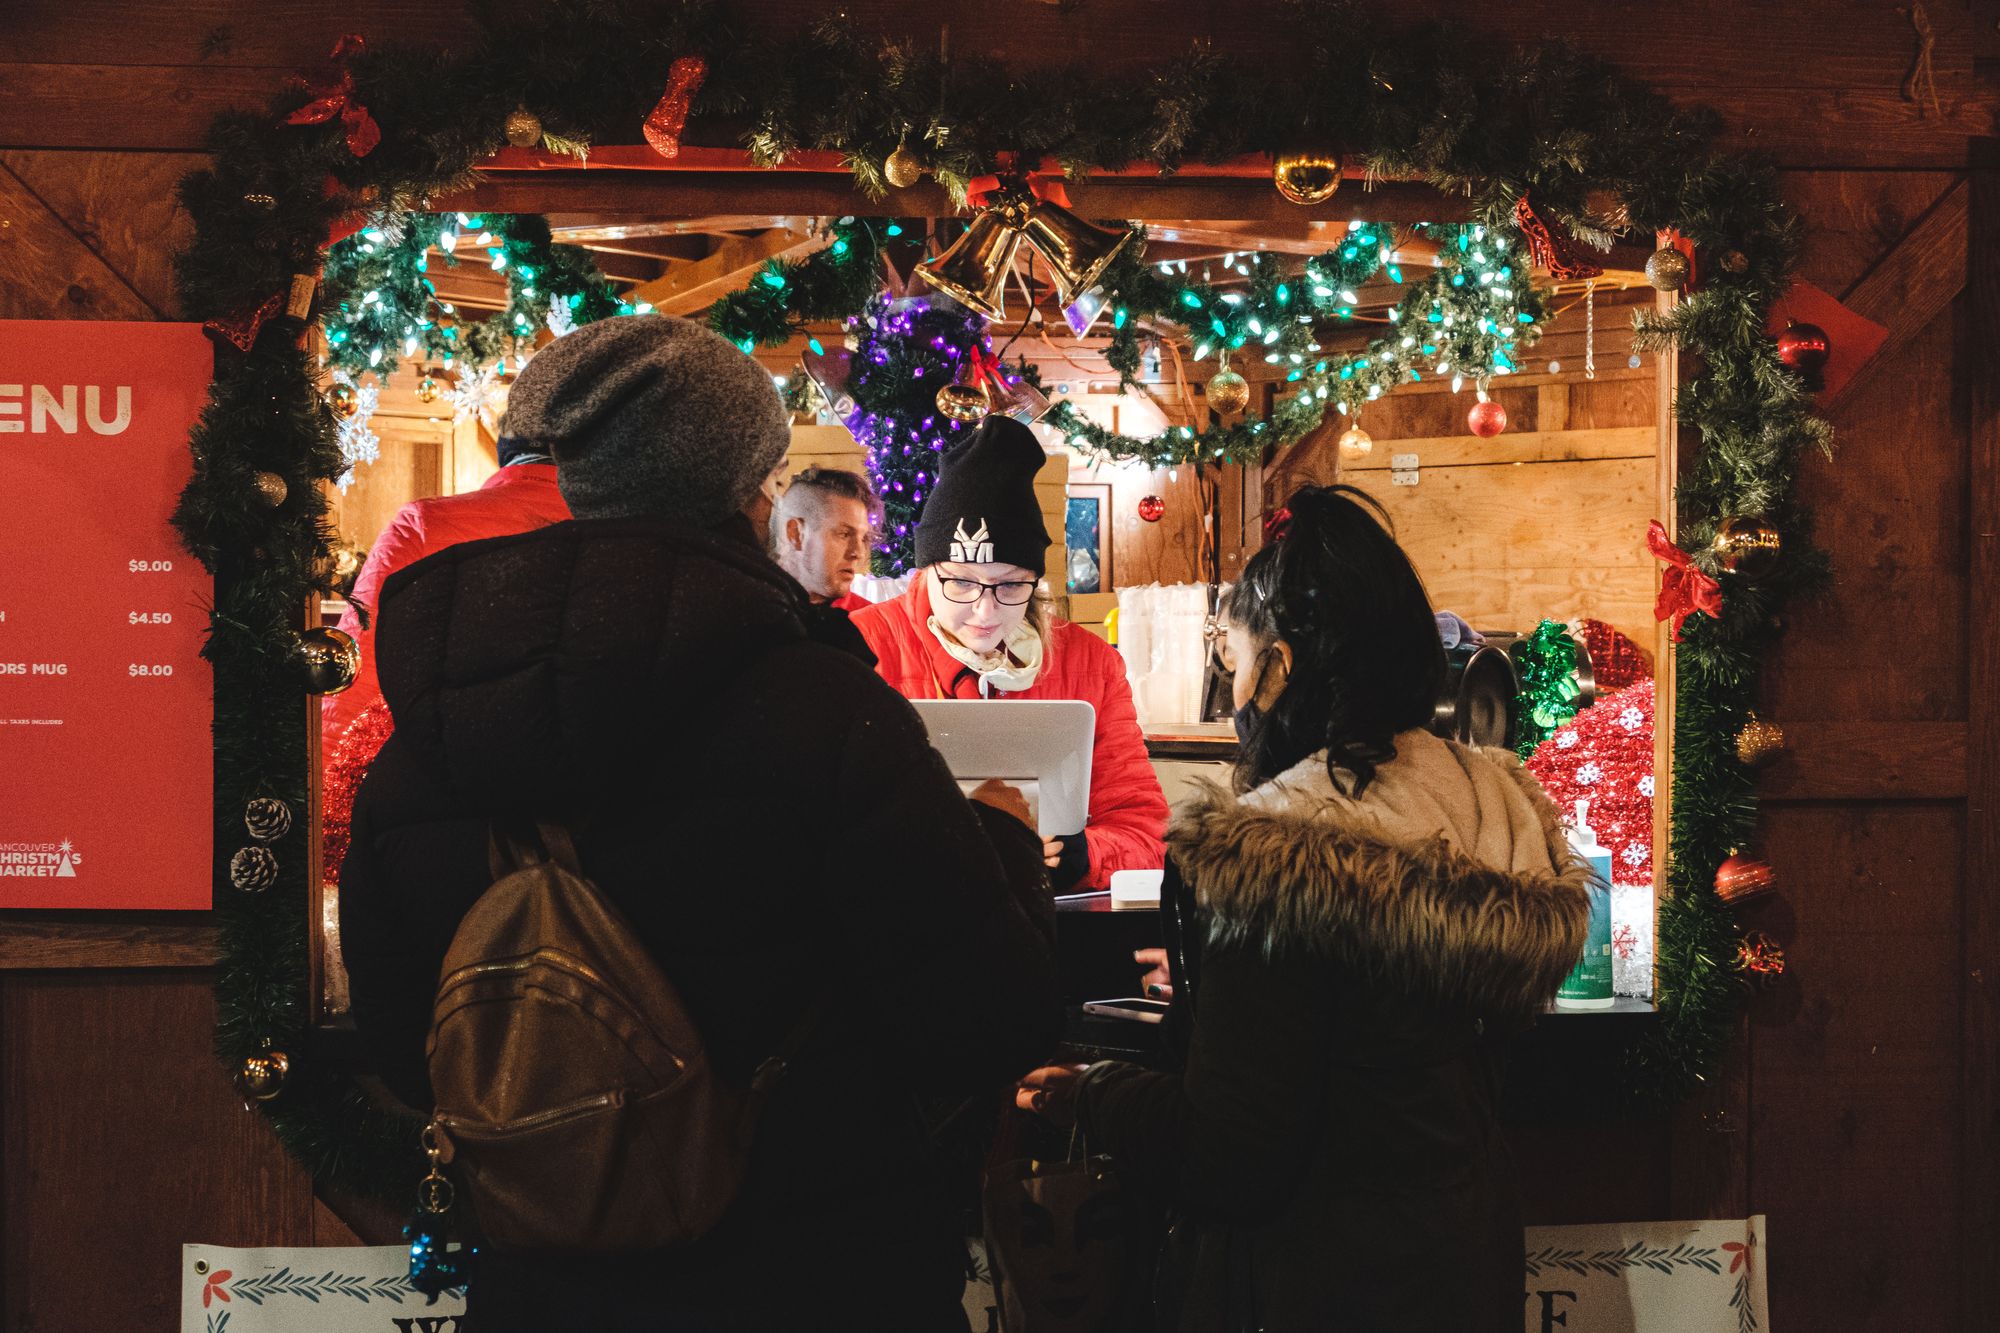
column 345, row 1289
column 1647, row 1277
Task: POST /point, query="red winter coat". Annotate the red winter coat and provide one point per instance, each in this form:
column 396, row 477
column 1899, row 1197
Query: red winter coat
column 514, row 499
column 1128, row 812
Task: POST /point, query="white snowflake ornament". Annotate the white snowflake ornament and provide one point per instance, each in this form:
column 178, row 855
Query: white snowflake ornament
column 1588, row 774
column 1646, row 785
column 1565, row 740
column 1631, row 719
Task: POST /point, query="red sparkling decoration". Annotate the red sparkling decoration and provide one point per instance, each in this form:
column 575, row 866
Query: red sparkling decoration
column 1615, row 661
column 352, row 754
column 1804, row 347
column 1742, row 877
column 1604, row 755
column 1487, row 419
column 668, row 118
column 1152, row 508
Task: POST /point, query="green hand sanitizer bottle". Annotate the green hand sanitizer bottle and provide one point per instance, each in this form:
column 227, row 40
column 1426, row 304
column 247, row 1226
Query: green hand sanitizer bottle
column 1588, row 986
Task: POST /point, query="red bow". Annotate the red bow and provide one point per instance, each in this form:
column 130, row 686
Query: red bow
column 1684, row 589
column 668, row 117
column 337, row 99
column 1552, row 250
column 1278, row 524
column 241, row 328
column 980, row 190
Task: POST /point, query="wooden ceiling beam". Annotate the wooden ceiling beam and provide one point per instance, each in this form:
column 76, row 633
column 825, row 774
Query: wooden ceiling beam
column 690, row 287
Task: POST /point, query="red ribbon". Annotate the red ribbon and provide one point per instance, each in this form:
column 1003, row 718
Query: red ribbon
column 1278, row 524
column 1550, row 249
column 242, row 328
column 337, row 99
column 981, row 190
column 1684, row 589
column 668, row 117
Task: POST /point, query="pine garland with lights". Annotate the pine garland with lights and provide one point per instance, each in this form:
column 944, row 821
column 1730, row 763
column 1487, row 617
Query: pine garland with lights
column 1492, row 126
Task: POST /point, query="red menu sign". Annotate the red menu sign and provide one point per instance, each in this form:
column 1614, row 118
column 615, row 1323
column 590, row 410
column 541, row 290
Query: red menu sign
column 106, row 780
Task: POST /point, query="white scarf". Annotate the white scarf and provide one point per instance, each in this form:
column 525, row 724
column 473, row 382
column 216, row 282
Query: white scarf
column 1012, row 667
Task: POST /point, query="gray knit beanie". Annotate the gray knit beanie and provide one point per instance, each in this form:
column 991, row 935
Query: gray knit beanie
column 648, row 414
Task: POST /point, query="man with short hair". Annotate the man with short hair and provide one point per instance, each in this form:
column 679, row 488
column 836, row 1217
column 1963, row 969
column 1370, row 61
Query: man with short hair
column 820, row 532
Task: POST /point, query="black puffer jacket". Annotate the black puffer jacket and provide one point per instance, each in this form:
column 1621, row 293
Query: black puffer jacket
column 1331, row 1145
column 770, row 817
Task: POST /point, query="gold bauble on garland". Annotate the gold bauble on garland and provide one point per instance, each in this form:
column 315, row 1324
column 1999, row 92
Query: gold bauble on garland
column 1667, row 269
column 1307, row 178
column 271, row 489
column 963, row 402
column 902, row 168
column 343, row 400
column 1747, row 547
column 428, row 389
column 1227, row 391
column 262, row 1076
column 523, row 128
column 1356, row 443
column 1759, row 743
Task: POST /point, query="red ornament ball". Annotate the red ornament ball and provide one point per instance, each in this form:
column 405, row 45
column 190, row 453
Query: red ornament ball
column 1487, row 419
column 1804, row 347
column 1742, row 877
column 1152, row 508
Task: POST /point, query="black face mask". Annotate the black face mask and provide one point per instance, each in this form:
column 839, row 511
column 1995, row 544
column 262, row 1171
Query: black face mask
column 1247, row 719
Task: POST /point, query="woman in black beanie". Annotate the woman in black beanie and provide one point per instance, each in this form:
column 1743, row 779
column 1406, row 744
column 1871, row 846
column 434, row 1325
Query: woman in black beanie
column 973, row 626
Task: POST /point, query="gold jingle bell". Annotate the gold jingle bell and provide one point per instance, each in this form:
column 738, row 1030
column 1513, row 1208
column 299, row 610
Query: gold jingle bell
column 1227, row 391
column 343, row 400
column 328, row 659
column 1759, row 743
column 964, row 401
column 1307, row 178
column 262, row 1076
column 1747, row 547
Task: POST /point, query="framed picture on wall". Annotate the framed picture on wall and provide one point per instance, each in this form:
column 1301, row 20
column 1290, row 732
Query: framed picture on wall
column 1087, row 537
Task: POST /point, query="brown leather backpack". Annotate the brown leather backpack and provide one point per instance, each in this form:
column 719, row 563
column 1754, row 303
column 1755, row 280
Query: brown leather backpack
column 574, row 1096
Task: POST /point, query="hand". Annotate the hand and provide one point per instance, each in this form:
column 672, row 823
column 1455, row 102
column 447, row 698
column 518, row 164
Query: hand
column 1050, row 1092
column 1159, row 982
column 1005, row 798
column 1052, row 852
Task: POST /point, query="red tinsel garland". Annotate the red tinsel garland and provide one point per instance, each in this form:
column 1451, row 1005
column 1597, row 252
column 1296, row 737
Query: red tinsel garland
column 352, row 754
column 1604, row 755
column 1615, row 661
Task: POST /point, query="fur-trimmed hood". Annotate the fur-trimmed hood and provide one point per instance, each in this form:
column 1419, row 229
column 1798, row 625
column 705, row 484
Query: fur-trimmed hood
column 1449, row 879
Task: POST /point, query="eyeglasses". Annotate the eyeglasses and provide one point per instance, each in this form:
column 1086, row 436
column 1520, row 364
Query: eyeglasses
column 971, row 590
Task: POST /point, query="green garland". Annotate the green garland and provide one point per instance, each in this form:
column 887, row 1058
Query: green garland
column 1546, row 663
column 1457, row 113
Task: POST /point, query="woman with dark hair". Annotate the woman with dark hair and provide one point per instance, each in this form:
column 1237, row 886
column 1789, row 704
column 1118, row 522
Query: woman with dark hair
column 1379, row 910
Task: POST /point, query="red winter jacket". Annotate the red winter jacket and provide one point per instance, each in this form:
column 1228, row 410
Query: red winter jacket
column 514, row 499
column 1128, row 812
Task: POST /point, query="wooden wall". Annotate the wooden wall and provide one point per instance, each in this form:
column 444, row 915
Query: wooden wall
column 1860, row 1114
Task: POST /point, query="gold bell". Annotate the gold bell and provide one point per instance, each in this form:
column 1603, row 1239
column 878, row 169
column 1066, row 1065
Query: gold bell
column 1077, row 251
column 976, row 267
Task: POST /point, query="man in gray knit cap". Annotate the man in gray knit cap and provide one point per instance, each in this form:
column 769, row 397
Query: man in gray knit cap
column 761, row 807
column 652, row 415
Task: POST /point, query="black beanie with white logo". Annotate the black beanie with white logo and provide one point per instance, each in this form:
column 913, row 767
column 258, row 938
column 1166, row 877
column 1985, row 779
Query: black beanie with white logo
column 983, row 509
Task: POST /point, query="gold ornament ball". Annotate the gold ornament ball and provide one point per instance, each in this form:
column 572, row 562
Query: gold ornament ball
column 1307, row 178
column 963, row 402
column 1667, row 269
column 428, row 389
column 271, row 489
column 343, row 400
column 1356, row 443
column 1747, row 547
column 902, row 168
column 524, row 128
column 262, row 1076
column 1759, row 743
column 328, row 659
column 1228, row 392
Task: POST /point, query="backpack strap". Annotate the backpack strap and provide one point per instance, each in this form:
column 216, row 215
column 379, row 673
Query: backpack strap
column 517, row 846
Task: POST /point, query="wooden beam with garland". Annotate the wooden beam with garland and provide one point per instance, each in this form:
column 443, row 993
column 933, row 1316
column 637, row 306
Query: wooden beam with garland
column 1539, row 133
